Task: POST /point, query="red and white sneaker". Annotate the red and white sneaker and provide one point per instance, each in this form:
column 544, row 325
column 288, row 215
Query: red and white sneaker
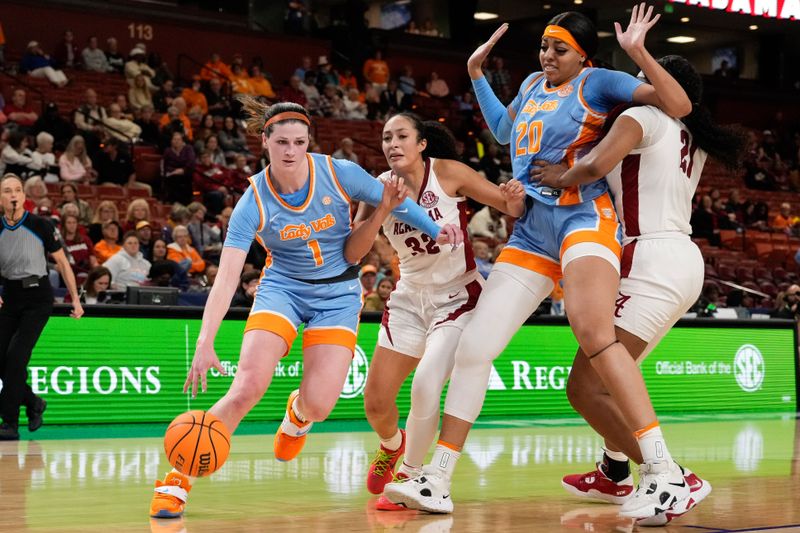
column 699, row 488
column 381, row 469
column 596, row 485
column 385, row 504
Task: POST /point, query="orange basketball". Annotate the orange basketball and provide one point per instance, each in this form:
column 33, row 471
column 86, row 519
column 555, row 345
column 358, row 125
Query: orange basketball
column 197, row 443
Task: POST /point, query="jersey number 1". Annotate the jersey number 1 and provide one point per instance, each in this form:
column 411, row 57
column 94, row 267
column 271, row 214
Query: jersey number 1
column 313, row 245
column 533, row 130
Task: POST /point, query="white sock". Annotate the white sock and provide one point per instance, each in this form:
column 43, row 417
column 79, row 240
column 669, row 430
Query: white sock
column 411, row 471
column 393, row 442
column 192, row 479
column 444, row 459
column 296, row 410
column 617, row 456
column 652, row 445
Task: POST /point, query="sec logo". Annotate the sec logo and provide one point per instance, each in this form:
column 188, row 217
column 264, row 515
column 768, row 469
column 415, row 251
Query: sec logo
column 356, row 379
column 748, row 368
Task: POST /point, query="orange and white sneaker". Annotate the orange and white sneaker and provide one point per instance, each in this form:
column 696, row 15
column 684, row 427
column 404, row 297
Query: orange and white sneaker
column 291, row 435
column 170, row 496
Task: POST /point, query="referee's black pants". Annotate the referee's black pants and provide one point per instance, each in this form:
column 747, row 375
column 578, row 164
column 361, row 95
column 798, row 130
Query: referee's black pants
column 23, row 316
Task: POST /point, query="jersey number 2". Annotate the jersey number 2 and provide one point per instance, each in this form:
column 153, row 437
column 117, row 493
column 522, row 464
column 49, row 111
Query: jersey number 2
column 533, row 130
column 313, row 245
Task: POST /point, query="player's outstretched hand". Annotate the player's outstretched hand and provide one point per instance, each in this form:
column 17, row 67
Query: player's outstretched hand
column 642, row 20
column 451, row 234
column 482, row 52
column 394, row 192
column 205, row 358
column 514, row 193
column 547, row 174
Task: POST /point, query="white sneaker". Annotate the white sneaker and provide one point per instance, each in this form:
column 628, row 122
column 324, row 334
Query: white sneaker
column 699, row 488
column 661, row 486
column 429, row 492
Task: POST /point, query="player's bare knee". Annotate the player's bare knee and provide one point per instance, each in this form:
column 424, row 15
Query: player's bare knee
column 376, row 403
column 316, row 409
column 592, row 337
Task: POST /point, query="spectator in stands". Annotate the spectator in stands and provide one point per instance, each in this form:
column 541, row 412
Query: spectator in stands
column 35, row 194
column 231, row 138
column 372, row 99
column 436, row 86
column 206, row 236
column 240, row 171
column 704, row 221
column 499, row 77
column 195, row 100
column 149, row 134
column 345, row 151
column 161, row 68
column 406, row 82
column 347, row 80
column 490, row 162
column 120, row 127
column 293, row 93
column 128, row 266
column 393, row 100
column 489, row 223
column 219, row 103
column 178, row 216
column 212, row 147
column 109, row 244
column 304, row 68
column 94, row 288
column 354, row 108
column 69, row 194
column 53, row 123
column 376, row 71
column 122, row 101
column 483, row 257
column 66, row 53
column 16, row 156
column 136, row 65
column 706, row 305
column 216, row 69
column 114, row 165
column 429, row 29
column 80, row 251
column 163, row 97
column 115, row 60
column 786, row 304
column 368, row 277
column 210, row 274
column 138, row 211
column 44, row 161
column 106, row 211
column 785, row 220
column 39, row 65
column 159, row 251
column 206, row 129
column 245, row 293
column 183, row 253
column 258, row 84
column 325, row 73
column 139, row 94
column 144, row 232
column 74, row 163
column 736, row 205
column 177, row 111
column 756, row 216
column 724, row 70
column 89, row 116
column 178, row 165
column 211, row 180
column 19, row 112
column 376, row 301
column 94, row 59
column 240, row 81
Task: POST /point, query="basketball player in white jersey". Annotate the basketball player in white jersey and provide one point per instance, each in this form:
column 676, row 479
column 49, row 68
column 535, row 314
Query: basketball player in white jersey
column 652, row 164
column 437, row 290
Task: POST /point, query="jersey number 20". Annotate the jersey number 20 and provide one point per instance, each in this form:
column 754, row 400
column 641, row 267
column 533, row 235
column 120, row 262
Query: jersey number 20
column 533, row 130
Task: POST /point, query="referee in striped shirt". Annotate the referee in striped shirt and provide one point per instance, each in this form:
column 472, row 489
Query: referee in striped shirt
column 27, row 301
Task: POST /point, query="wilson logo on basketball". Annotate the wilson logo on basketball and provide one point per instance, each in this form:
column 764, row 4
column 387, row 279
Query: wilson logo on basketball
column 428, row 199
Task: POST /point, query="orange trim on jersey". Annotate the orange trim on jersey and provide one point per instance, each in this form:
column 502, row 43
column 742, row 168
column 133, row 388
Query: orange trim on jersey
column 310, row 187
column 570, row 196
column 336, row 180
column 583, row 100
column 447, row 445
column 338, row 336
column 261, row 221
column 605, row 234
column 530, row 261
column 274, row 323
column 638, row 433
column 513, row 112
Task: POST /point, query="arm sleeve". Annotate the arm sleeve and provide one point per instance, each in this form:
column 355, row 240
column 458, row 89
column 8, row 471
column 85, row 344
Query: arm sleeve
column 361, row 186
column 604, row 89
column 651, row 121
column 496, row 115
column 244, row 222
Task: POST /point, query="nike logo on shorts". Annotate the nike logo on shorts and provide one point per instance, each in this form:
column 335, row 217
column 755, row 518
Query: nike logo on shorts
column 451, row 296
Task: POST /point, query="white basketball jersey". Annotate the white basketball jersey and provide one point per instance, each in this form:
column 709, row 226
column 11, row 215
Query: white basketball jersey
column 422, row 260
column 654, row 185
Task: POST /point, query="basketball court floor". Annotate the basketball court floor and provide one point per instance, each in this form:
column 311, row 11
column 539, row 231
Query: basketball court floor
column 508, row 480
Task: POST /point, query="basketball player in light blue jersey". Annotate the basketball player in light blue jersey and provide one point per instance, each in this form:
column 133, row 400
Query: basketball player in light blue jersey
column 298, row 209
column 557, row 116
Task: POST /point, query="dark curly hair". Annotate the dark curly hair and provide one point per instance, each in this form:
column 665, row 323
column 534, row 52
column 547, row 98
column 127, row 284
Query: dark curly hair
column 440, row 141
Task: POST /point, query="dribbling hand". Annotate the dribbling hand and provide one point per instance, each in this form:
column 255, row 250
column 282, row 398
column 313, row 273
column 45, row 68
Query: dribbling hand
column 452, row 235
column 482, row 52
column 205, row 358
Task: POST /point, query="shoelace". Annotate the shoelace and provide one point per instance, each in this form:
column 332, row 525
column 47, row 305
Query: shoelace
column 382, row 461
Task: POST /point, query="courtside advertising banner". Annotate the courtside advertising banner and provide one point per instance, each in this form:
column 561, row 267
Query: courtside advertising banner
column 115, row 369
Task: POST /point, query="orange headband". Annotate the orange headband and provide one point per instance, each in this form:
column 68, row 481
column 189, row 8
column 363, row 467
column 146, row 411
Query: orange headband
column 287, row 115
column 562, row 34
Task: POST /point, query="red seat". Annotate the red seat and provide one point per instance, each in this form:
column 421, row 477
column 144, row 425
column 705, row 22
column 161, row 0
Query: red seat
column 726, row 272
column 764, row 273
column 711, row 272
column 148, row 168
column 744, row 274
column 769, row 289
column 110, row 192
column 779, row 274
column 135, row 192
